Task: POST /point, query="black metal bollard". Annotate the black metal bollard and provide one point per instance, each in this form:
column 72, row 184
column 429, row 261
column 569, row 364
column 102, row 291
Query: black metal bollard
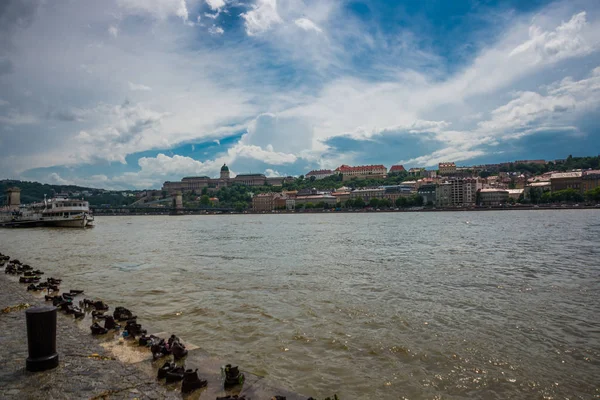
column 41, row 338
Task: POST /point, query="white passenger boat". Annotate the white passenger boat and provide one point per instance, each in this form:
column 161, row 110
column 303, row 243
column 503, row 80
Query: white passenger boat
column 59, row 211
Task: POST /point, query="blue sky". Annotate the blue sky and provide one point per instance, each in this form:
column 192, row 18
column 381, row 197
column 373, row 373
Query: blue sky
column 130, row 93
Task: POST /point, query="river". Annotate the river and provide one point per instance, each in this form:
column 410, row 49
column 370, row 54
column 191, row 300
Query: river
column 369, row 306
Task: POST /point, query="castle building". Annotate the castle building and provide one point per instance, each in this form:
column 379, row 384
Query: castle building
column 197, row 183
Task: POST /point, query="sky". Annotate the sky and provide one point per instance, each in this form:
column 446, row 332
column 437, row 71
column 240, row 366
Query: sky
column 126, row 94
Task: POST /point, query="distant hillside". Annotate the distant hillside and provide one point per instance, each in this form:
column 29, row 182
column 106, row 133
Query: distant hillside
column 34, row 191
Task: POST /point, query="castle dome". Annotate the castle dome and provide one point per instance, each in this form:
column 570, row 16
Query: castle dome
column 224, row 168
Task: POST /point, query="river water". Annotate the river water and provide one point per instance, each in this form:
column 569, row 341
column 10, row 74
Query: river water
column 369, row 306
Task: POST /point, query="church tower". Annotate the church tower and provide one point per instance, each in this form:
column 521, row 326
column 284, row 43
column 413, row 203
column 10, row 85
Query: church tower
column 224, row 172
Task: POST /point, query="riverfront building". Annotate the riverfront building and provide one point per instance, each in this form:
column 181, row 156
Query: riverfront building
column 361, row 171
column 493, row 197
column 464, row 191
column 590, row 180
column 320, row 174
column 566, row 180
column 447, row 168
column 427, row 192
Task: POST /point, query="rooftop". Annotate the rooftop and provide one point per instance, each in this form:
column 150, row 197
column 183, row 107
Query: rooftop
column 315, row 196
column 592, row 172
column 540, row 184
column 397, row 168
column 250, row 175
column 494, row 190
column 194, row 177
column 347, row 168
column 563, row 175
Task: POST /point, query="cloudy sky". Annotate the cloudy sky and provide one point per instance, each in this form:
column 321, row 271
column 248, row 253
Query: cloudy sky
column 130, row 93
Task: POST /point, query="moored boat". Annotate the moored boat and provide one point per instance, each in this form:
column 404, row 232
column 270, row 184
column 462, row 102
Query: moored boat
column 59, row 211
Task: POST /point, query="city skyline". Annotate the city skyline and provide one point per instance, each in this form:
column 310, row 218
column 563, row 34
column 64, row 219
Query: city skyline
column 137, row 92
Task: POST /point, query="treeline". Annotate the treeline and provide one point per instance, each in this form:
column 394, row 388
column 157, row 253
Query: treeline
column 569, row 164
column 336, row 182
column 236, row 196
column 359, row 202
column 34, row 191
column 536, row 196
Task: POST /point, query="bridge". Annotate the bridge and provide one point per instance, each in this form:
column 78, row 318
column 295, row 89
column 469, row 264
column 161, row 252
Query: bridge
column 157, row 210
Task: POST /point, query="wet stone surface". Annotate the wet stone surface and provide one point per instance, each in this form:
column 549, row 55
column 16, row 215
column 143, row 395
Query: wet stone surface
column 128, row 372
column 77, row 375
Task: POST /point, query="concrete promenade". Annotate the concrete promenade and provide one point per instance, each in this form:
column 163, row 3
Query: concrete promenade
column 104, row 367
column 78, row 376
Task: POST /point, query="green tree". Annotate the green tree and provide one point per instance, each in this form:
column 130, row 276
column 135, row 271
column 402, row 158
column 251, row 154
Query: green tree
column 546, row 198
column 359, row 202
column 204, row 191
column 313, row 178
column 417, row 200
column 205, row 200
column 385, row 203
column 320, row 204
column 593, row 195
column 374, row 202
column 535, row 194
column 240, row 206
column 401, row 202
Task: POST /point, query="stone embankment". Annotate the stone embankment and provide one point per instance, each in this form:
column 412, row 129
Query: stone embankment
column 86, row 369
column 105, row 367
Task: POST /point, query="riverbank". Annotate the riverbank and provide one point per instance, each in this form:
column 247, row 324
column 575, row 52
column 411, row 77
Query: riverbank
column 79, row 374
column 125, row 211
column 99, row 367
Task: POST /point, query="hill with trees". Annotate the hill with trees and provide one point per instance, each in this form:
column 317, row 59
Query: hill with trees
column 32, row 192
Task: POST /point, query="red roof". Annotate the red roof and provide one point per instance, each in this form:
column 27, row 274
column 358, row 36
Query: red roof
column 347, row 168
column 397, row 168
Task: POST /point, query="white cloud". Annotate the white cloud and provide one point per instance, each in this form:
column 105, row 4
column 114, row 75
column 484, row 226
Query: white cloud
column 215, row 30
column 158, row 8
column 450, row 153
column 155, row 170
column 124, row 127
column 526, row 108
column 3, row 102
column 216, row 4
column 137, row 86
column 267, row 155
column 16, row 118
column 565, row 41
column 262, row 17
column 307, row 25
column 113, row 31
column 55, row 179
column 212, row 91
column 162, row 165
column 270, row 173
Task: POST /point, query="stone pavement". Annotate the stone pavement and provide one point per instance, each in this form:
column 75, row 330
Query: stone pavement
column 77, row 376
column 104, row 367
